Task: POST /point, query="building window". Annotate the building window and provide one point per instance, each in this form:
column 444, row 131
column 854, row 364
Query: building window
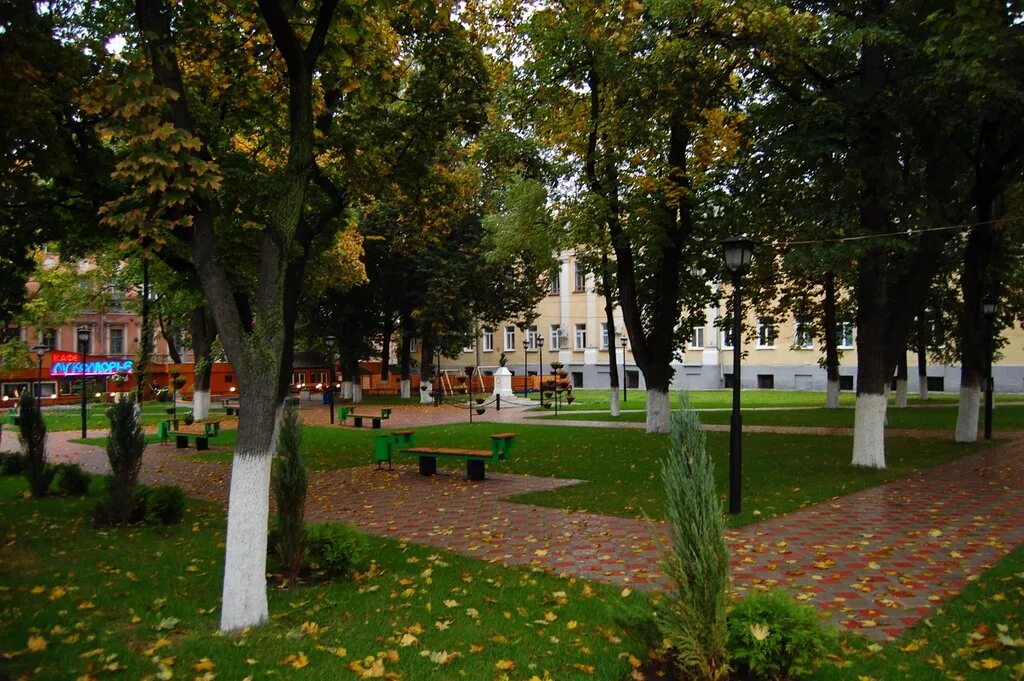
column 697, row 337
column 316, row 377
column 580, row 280
column 48, row 339
column 531, row 337
column 555, row 283
column 298, row 378
column 936, row 384
column 10, row 333
column 727, row 337
column 115, row 341
column 510, row 338
column 846, row 382
column 581, row 336
column 414, row 345
column 488, row 337
column 471, row 346
column 804, row 336
column 765, row 334
column 556, row 336
column 766, row 381
column 604, row 335
column 577, row 379
column 845, row 335
column 726, row 380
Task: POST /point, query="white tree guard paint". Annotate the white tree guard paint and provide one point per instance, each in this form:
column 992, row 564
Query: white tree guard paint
column 425, row 397
column 967, row 414
column 922, row 390
column 346, row 390
column 615, row 410
column 901, row 393
column 657, row 412
column 869, row 431
column 832, row 395
column 405, row 388
column 357, row 392
column 201, row 404
column 245, row 555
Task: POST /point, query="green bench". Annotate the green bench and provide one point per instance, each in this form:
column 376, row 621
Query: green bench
column 357, row 419
column 476, row 459
column 210, row 430
column 230, row 406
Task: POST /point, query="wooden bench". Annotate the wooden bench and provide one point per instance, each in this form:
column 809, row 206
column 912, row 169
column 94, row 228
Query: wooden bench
column 357, row 419
column 230, row 407
column 385, row 445
column 476, row 459
column 209, row 430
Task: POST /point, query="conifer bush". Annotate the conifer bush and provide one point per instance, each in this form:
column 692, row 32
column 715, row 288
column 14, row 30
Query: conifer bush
column 289, row 486
column 337, row 550
column 72, row 481
column 125, row 446
column 11, row 463
column 696, row 560
column 165, row 505
column 32, row 436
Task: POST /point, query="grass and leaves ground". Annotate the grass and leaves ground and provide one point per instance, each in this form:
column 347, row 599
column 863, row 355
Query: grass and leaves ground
column 138, row 602
column 70, row 417
column 621, row 467
column 1006, row 417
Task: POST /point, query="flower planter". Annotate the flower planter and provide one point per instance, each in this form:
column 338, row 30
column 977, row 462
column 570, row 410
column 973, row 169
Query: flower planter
column 479, row 400
column 480, row 411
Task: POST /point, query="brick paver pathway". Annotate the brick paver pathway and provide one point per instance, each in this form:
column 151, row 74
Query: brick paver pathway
column 877, row 560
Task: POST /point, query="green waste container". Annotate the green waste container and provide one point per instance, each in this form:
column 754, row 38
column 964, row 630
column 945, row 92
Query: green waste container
column 382, row 450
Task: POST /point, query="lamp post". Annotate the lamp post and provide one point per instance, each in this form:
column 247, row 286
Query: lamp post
column 539, row 342
column 526, row 364
column 988, row 307
column 84, row 332
column 738, row 253
column 40, row 350
column 622, row 342
column 330, row 370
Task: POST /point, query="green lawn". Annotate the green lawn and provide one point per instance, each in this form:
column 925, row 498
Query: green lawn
column 621, row 466
column 120, row 603
column 722, row 399
column 70, row 418
column 1006, row 417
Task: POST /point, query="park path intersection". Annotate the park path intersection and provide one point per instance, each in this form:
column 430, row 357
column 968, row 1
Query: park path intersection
column 877, row 560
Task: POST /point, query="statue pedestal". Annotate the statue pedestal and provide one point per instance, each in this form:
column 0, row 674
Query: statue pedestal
column 503, row 384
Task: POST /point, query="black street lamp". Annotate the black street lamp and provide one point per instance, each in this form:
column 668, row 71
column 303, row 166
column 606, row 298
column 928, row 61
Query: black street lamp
column 539, row 342
column 988, row 307
column 622, row 342
column 40, row 350
column 330, row 370
column 738, row 253
column 84, row 332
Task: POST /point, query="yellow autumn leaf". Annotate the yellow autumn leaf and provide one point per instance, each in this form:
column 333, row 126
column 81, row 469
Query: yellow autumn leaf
column 571, row 624
column 625, row 592
column 57, row 592
column 550, row 616
column 407, row 640
column 36, row 644
column 505, row 665
column 759, row 631
column 990, row 663
column 204, row 665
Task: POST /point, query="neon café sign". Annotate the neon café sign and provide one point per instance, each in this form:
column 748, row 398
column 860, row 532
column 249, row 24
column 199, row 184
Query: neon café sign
column 70, row 364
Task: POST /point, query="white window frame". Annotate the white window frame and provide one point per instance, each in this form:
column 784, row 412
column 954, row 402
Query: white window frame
column 555, row 283
column 726, row 337
column 413, row 344
column 556, row 335
column 110, row 340
column 531, row 337
column 604, row 335
column 300, row 375
column 762, row 344
column 842, row 335
column 579, row 279
column 696, row 341
column 808, row 343
column 580, row 336
column 510, row 338
column 488, row 340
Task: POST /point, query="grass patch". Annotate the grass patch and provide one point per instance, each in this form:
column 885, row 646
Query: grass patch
column 1005, row 417
column 126, row 600
column 978, row 634
column 70, row 418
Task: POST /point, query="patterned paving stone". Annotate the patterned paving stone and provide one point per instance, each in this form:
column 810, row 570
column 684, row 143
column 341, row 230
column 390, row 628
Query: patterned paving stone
column 877, row 560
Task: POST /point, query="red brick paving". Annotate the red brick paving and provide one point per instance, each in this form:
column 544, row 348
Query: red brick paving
column 877, row 560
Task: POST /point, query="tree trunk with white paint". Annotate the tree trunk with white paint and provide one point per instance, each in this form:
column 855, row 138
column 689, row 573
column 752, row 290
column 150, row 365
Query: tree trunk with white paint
column 201, row 404
column 357, row 392
column 425, row 397
column 832, row 394
column 405, row 388
column 967, row 413
column 658, row 412
column 615, row 409
column 901, row 380
column 346, row 390
column 869, row 431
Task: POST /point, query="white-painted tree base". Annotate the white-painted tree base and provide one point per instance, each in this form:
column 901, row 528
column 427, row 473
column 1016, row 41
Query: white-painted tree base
column 869, row 431
column 405, row 388
column 615, row 409
column 658, row 415
column 201, row 404
column 346, row 390
column 901, row 393
column 425, row 397
column 967, row 414
column 357, row 392
column 922, row 390
column 832, row 395
column 245, row 556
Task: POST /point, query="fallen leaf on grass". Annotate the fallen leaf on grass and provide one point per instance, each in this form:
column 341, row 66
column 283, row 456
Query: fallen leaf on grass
column 36, row 644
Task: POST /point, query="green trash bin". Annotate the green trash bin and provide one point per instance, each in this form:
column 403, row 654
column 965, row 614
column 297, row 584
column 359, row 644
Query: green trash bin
column 163, row 431
column 382, row 450
column 343, row 413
